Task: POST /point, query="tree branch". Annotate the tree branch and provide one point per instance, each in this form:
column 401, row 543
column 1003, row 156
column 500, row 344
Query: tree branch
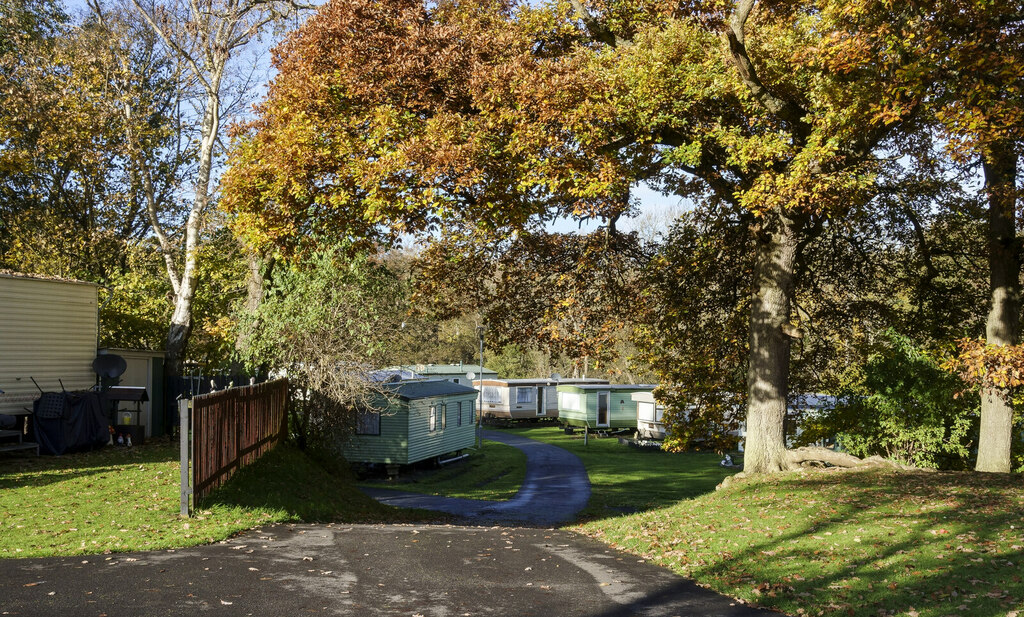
column 598, row 31
column 788, row 111
column 178, row 49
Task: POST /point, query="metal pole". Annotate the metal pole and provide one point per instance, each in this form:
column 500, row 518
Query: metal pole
column 183, row 438
column 480, row 406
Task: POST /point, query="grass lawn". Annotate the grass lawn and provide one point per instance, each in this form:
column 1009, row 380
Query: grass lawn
column 127, row 499
column 855, row 543
column 495, row 473
column 625, row 480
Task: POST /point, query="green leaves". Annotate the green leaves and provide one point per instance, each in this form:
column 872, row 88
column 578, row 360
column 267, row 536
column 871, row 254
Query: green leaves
column 906, row 409
column 328, row 323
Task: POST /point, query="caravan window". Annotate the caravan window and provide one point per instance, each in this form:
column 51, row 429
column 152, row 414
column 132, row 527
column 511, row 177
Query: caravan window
column 444, row 415
column 432, row 422
column 524, row 395
column 368, row 423
column 458, row 420
column 569, row 401
column 492, row 394
column 648, row 412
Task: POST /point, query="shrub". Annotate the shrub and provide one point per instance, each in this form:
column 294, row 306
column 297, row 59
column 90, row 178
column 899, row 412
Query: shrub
column 905, row 408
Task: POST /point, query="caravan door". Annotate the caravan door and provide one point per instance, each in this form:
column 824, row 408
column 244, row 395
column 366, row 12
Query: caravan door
column 602, row 408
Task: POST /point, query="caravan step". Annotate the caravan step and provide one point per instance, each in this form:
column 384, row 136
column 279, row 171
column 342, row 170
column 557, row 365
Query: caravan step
column 12, row 447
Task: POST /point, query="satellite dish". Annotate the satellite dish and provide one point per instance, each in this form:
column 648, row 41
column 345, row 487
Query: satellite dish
column 555, row 377
column 109, row 365
column 471, row 375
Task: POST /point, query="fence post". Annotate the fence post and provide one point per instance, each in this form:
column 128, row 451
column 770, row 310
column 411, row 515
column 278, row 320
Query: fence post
column 183, row 438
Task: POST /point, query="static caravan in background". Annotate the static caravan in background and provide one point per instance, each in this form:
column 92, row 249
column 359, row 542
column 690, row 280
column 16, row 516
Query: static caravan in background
column 649, row 412
column 521, row 399
column 455, row 373
column 599, row 406
column 419, row 420
column 799, row 406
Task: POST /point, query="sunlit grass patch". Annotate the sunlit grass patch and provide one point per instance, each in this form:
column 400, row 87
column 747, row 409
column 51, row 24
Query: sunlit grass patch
column 624, row 479
column 846, row 542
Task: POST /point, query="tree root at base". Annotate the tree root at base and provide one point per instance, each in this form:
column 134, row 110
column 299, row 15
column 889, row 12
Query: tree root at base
column 815, row 456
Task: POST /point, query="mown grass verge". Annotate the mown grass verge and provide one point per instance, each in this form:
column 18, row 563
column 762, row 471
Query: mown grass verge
column 127, row 499
column 493, row 473
column 851, row 543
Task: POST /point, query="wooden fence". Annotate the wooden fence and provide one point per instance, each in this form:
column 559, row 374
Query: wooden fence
column 233, row 428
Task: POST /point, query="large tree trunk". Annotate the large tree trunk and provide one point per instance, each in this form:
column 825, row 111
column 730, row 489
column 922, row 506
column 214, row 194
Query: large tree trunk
column 768, row 370
column 1000, row 165
column 260, row 269
column 180, row 329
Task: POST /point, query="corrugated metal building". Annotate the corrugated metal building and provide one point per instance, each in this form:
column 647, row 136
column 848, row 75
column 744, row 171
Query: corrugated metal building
column 48, row 332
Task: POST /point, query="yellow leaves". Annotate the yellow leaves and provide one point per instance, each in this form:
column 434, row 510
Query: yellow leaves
column 988, row 366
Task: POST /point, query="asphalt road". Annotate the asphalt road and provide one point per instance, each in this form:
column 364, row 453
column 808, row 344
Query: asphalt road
column 554, row 490
column 428, row 571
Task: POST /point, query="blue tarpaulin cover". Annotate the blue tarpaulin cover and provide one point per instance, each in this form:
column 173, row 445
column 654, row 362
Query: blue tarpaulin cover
column 69, row 422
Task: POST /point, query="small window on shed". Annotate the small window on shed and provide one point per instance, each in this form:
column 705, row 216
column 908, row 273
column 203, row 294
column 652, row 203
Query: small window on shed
column 433, row 418
column 368, row 422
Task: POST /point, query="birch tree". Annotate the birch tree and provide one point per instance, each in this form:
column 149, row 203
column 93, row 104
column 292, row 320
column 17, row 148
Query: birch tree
column 207, row 37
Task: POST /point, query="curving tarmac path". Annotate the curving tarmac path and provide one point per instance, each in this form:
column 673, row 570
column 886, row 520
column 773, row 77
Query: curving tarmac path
column 555, row 489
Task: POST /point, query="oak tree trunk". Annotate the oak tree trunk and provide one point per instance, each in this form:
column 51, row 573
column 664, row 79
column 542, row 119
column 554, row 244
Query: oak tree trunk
column 768, row 369
column 999, row 162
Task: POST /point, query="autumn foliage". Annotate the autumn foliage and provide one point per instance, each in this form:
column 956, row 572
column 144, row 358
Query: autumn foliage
column 472, row 125
column 988, row 366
